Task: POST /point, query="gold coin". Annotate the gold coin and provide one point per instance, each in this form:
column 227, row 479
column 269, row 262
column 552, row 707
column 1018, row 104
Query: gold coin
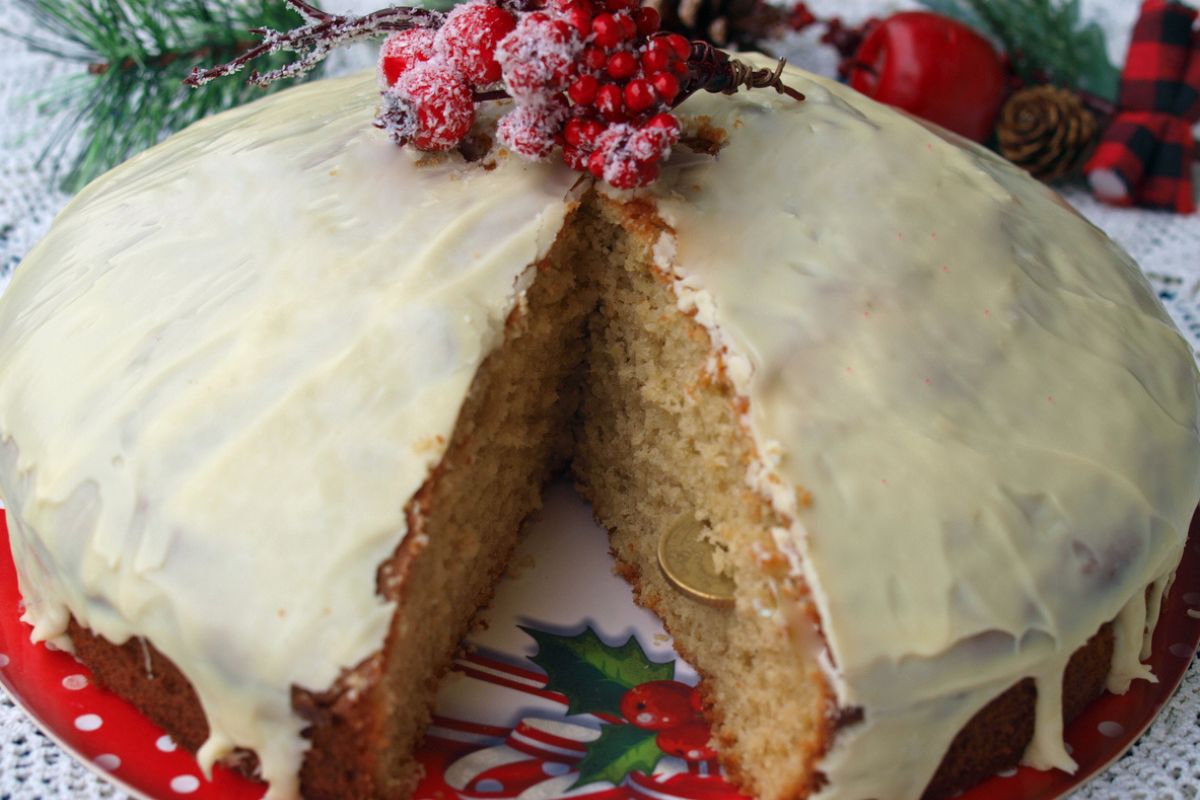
column 687, row 562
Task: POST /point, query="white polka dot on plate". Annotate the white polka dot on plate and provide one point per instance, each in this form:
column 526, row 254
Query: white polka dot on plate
column 88, row 722
column 1181, row 650
column 185, row 784
column 74, row 682
column 3, row 660
column 1111, row 729
column 165, row 743
column 108, row 761
column 1007, row 773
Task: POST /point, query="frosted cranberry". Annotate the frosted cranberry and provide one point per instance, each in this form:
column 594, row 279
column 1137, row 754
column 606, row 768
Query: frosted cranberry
column 576, row 158
column 689, row 742
column 582, row 132
column 440, row 105
column 647, row 20
column 656, row 60
column 537, row 59
column 630, row 174
column 657, row 705
column 669, row 123
column 606, row 30
column 609, row 101
column 639, row 96
column 579, row 16
column 403, row 49
column 469, row 36
column 627, row 25
column 665, row 86
column 621, row 65
column 596, row 164
column 681, row 47
column 594, row 58
column 583, row 90
column 532, row 131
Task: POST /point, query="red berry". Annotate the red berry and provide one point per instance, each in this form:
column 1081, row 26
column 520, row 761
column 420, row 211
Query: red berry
column 469, row 36
column 430, row 106
column 656, row 60
column 594, row 58
column 650, row 145
column 627, row 25
column 689, row 742
column 538, row 58
column 609, row 101
column 606, row 30
column 403, row 49
column 583, row 91
column 578, row 14
column 667, row 122
column 657, row 705
column 681, row 47
column 531, row 131
column 581, row 132
column 576, row 158
column 639, row 96
column 680, row 68
column 596, row 164
column 647, row 20
column 622, row 65
column 665, row 86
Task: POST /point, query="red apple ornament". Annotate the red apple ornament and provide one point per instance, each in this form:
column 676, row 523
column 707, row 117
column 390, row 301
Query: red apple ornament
column 934, row 67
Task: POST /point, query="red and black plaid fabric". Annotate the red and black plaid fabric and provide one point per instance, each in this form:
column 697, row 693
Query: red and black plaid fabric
column 1145, row 156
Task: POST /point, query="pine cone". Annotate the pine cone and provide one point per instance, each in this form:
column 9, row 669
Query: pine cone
column 1046, row 131
column 733, row 24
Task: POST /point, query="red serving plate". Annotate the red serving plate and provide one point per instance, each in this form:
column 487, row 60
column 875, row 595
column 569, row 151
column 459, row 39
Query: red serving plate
column 501, row 732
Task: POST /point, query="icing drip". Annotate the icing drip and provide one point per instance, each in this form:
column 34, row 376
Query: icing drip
column 1048, row 750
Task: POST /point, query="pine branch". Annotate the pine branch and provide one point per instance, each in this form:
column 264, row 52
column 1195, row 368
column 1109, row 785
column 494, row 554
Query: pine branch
column 1047, row 40
column 134, row 56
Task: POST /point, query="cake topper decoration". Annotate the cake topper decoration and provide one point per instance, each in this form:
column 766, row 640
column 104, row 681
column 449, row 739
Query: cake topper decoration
column 596, row 78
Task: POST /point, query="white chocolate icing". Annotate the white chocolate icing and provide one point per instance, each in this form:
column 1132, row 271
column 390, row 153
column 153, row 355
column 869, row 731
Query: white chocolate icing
column 246, row 348
column 993, row 415
column 205, row 363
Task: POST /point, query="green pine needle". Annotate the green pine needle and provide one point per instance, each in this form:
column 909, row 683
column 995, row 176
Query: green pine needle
column 1047, row 40
column 133, row 57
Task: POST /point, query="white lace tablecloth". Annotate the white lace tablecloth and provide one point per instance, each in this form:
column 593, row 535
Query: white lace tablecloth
column 1163, row 765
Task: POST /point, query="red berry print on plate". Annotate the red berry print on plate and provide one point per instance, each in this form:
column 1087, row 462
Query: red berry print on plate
column 658, row 705
column 689, row 742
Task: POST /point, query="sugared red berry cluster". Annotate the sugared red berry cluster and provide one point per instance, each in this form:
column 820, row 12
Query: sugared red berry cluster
column 594, row 77
column 674, row 710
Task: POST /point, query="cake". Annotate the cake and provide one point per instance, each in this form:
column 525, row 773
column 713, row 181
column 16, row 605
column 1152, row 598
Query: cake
column 277, row 395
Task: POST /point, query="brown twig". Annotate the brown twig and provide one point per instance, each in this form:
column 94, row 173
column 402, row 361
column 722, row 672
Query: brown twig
column 320, row 34
column 712, row 70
